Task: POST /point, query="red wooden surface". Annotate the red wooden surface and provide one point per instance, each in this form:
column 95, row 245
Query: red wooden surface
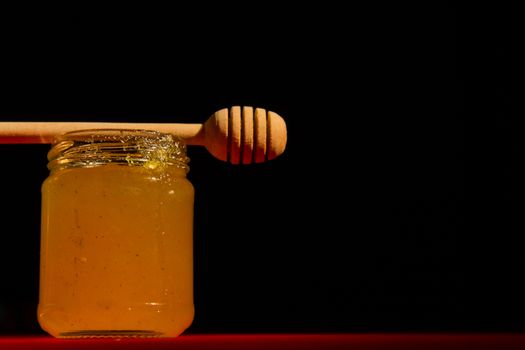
column 282, row 341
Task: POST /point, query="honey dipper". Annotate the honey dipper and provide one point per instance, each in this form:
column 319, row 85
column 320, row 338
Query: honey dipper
column 238, row 135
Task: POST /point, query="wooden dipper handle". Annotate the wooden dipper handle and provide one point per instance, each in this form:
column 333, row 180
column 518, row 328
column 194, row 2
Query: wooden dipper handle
column 238, row 135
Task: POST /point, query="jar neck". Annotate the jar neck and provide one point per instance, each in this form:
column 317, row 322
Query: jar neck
column 99, row 147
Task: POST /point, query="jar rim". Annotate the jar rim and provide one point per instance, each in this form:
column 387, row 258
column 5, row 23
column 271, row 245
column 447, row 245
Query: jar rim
column 109, row 134
column 95, row 147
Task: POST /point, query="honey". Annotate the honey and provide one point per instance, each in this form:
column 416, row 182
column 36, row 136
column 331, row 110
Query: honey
column 116, row 244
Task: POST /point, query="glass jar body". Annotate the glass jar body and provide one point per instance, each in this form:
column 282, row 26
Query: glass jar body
column 116, row 251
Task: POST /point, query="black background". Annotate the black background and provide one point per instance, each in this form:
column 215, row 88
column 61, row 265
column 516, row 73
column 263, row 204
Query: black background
column 362, row 224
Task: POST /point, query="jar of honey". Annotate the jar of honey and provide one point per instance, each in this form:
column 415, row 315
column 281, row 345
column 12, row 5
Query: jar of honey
column 116, row 244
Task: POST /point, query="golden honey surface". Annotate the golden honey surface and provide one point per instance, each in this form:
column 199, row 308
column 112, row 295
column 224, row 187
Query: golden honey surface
column 117, row 254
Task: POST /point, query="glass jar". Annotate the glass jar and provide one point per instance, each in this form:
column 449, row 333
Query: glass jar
column 116, row 244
